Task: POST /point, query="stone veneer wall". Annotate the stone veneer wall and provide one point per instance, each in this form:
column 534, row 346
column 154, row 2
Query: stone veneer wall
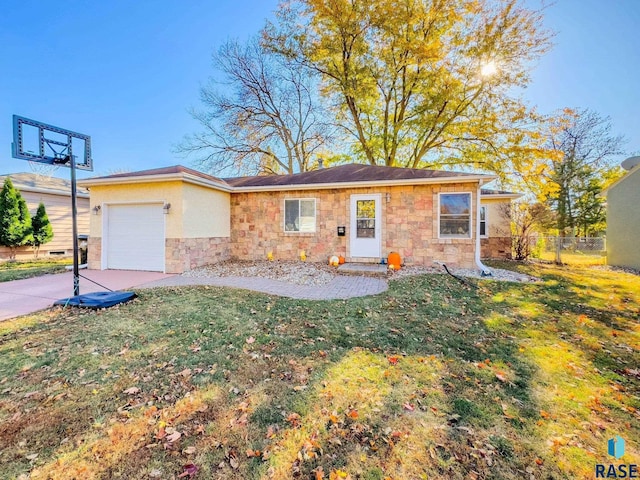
column 94, row 253
column 409, row 225
column 496, row 247
column 182, row 254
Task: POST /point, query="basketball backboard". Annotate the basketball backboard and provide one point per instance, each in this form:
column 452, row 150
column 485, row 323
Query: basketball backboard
column 42, row 143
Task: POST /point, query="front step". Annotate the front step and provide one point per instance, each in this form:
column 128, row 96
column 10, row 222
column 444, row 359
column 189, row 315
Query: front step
column 365, row 269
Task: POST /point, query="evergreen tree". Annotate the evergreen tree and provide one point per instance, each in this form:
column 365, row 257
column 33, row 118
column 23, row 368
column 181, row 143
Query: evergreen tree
column 42, row 230
column 15, row 221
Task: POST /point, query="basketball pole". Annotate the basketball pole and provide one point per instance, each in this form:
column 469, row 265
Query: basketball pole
column 74, row 222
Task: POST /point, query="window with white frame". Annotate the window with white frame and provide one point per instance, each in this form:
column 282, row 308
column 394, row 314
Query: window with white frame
column 455, row 215
column 483, row 222
column 300, row 215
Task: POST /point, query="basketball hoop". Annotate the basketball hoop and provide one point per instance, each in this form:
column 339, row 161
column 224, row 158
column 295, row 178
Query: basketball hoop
column 42, row 143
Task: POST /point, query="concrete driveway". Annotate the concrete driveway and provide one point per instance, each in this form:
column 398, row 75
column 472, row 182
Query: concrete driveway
column 21, row 297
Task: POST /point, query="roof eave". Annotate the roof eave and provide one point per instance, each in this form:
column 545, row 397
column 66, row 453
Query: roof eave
column 605, row 191
column 482, row 179
column 511, row 196
column 185, row 177
column 49, row 191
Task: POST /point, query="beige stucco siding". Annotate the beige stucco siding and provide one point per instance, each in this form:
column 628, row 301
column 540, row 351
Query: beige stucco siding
column 497, row 242
column 163, row 192
column 409, row 225
column 498, row 222
column 623, row 221
column 58, row 209
column 206, row 212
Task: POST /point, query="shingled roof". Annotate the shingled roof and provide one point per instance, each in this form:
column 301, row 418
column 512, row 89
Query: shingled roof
column 323, row 178
column 34, row 182
column 174, row 169
column 344, row 174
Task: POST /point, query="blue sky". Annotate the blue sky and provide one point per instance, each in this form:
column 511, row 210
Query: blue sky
column 126, row 72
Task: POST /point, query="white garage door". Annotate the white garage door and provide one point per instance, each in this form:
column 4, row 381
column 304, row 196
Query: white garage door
column 135, row 237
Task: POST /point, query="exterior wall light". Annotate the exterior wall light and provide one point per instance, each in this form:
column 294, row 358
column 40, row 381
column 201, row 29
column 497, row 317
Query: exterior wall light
column 166, row 207
column 97, row 209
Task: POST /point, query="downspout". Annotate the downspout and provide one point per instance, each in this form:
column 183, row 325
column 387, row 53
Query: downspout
column 484, row 270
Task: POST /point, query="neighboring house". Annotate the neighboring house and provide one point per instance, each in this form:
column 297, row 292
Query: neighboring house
column 55, row 193
column 174, row 219
column 623, row 217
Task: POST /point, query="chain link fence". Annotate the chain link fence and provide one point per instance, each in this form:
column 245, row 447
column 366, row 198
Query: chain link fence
column 575, row 244
column 578, row 250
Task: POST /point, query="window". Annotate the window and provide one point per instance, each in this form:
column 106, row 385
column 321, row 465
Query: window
column 483, row 221
column 455, row 215
column 366, row 219
column 300, row 215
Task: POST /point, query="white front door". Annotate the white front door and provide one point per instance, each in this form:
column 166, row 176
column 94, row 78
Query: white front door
column 366, row 227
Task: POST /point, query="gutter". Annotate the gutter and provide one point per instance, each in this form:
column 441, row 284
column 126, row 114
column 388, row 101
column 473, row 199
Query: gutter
column 61, row 193
column 484, row 270
column 482, row 179
column 185, row 177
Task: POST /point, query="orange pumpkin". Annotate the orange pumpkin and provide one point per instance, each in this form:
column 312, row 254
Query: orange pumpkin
column 340, row 259
column 395, row 260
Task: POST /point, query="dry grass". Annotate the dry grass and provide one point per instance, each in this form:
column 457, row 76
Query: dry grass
column 19, row 269
column 432, row 379
column 577, row 258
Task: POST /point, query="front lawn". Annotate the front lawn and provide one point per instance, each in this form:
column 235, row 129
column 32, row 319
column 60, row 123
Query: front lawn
column 19, row 269
column 433, row 379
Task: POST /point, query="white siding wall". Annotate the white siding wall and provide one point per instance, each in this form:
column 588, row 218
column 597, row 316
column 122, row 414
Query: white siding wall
column 59, row 211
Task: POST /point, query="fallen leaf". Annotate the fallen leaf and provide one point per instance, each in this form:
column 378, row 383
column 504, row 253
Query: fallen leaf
column 409, row 407
column 233, row 461
column 173, row 437
column 186, row 372
column 353, row 413
column 294, row 419
column 500, row 376
column 132, row 391
column 242, row 420
column 253, row 453
column 250, row 340
column 339, row 474
column 189, row 450
column 189, row 470
column 393, row 360
column 31, row 456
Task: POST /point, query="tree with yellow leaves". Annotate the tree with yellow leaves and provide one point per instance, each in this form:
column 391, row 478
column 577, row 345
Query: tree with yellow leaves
column 423, row 83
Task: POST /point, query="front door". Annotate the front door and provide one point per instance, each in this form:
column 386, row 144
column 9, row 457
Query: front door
column 366, row 228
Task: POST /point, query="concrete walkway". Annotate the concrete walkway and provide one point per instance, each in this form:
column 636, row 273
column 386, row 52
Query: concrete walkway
column 341, row 287
column 22, row 297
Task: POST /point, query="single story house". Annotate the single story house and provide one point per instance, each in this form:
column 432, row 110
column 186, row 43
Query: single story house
column 623, row 217
column 55, row 193
column 173, row 219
